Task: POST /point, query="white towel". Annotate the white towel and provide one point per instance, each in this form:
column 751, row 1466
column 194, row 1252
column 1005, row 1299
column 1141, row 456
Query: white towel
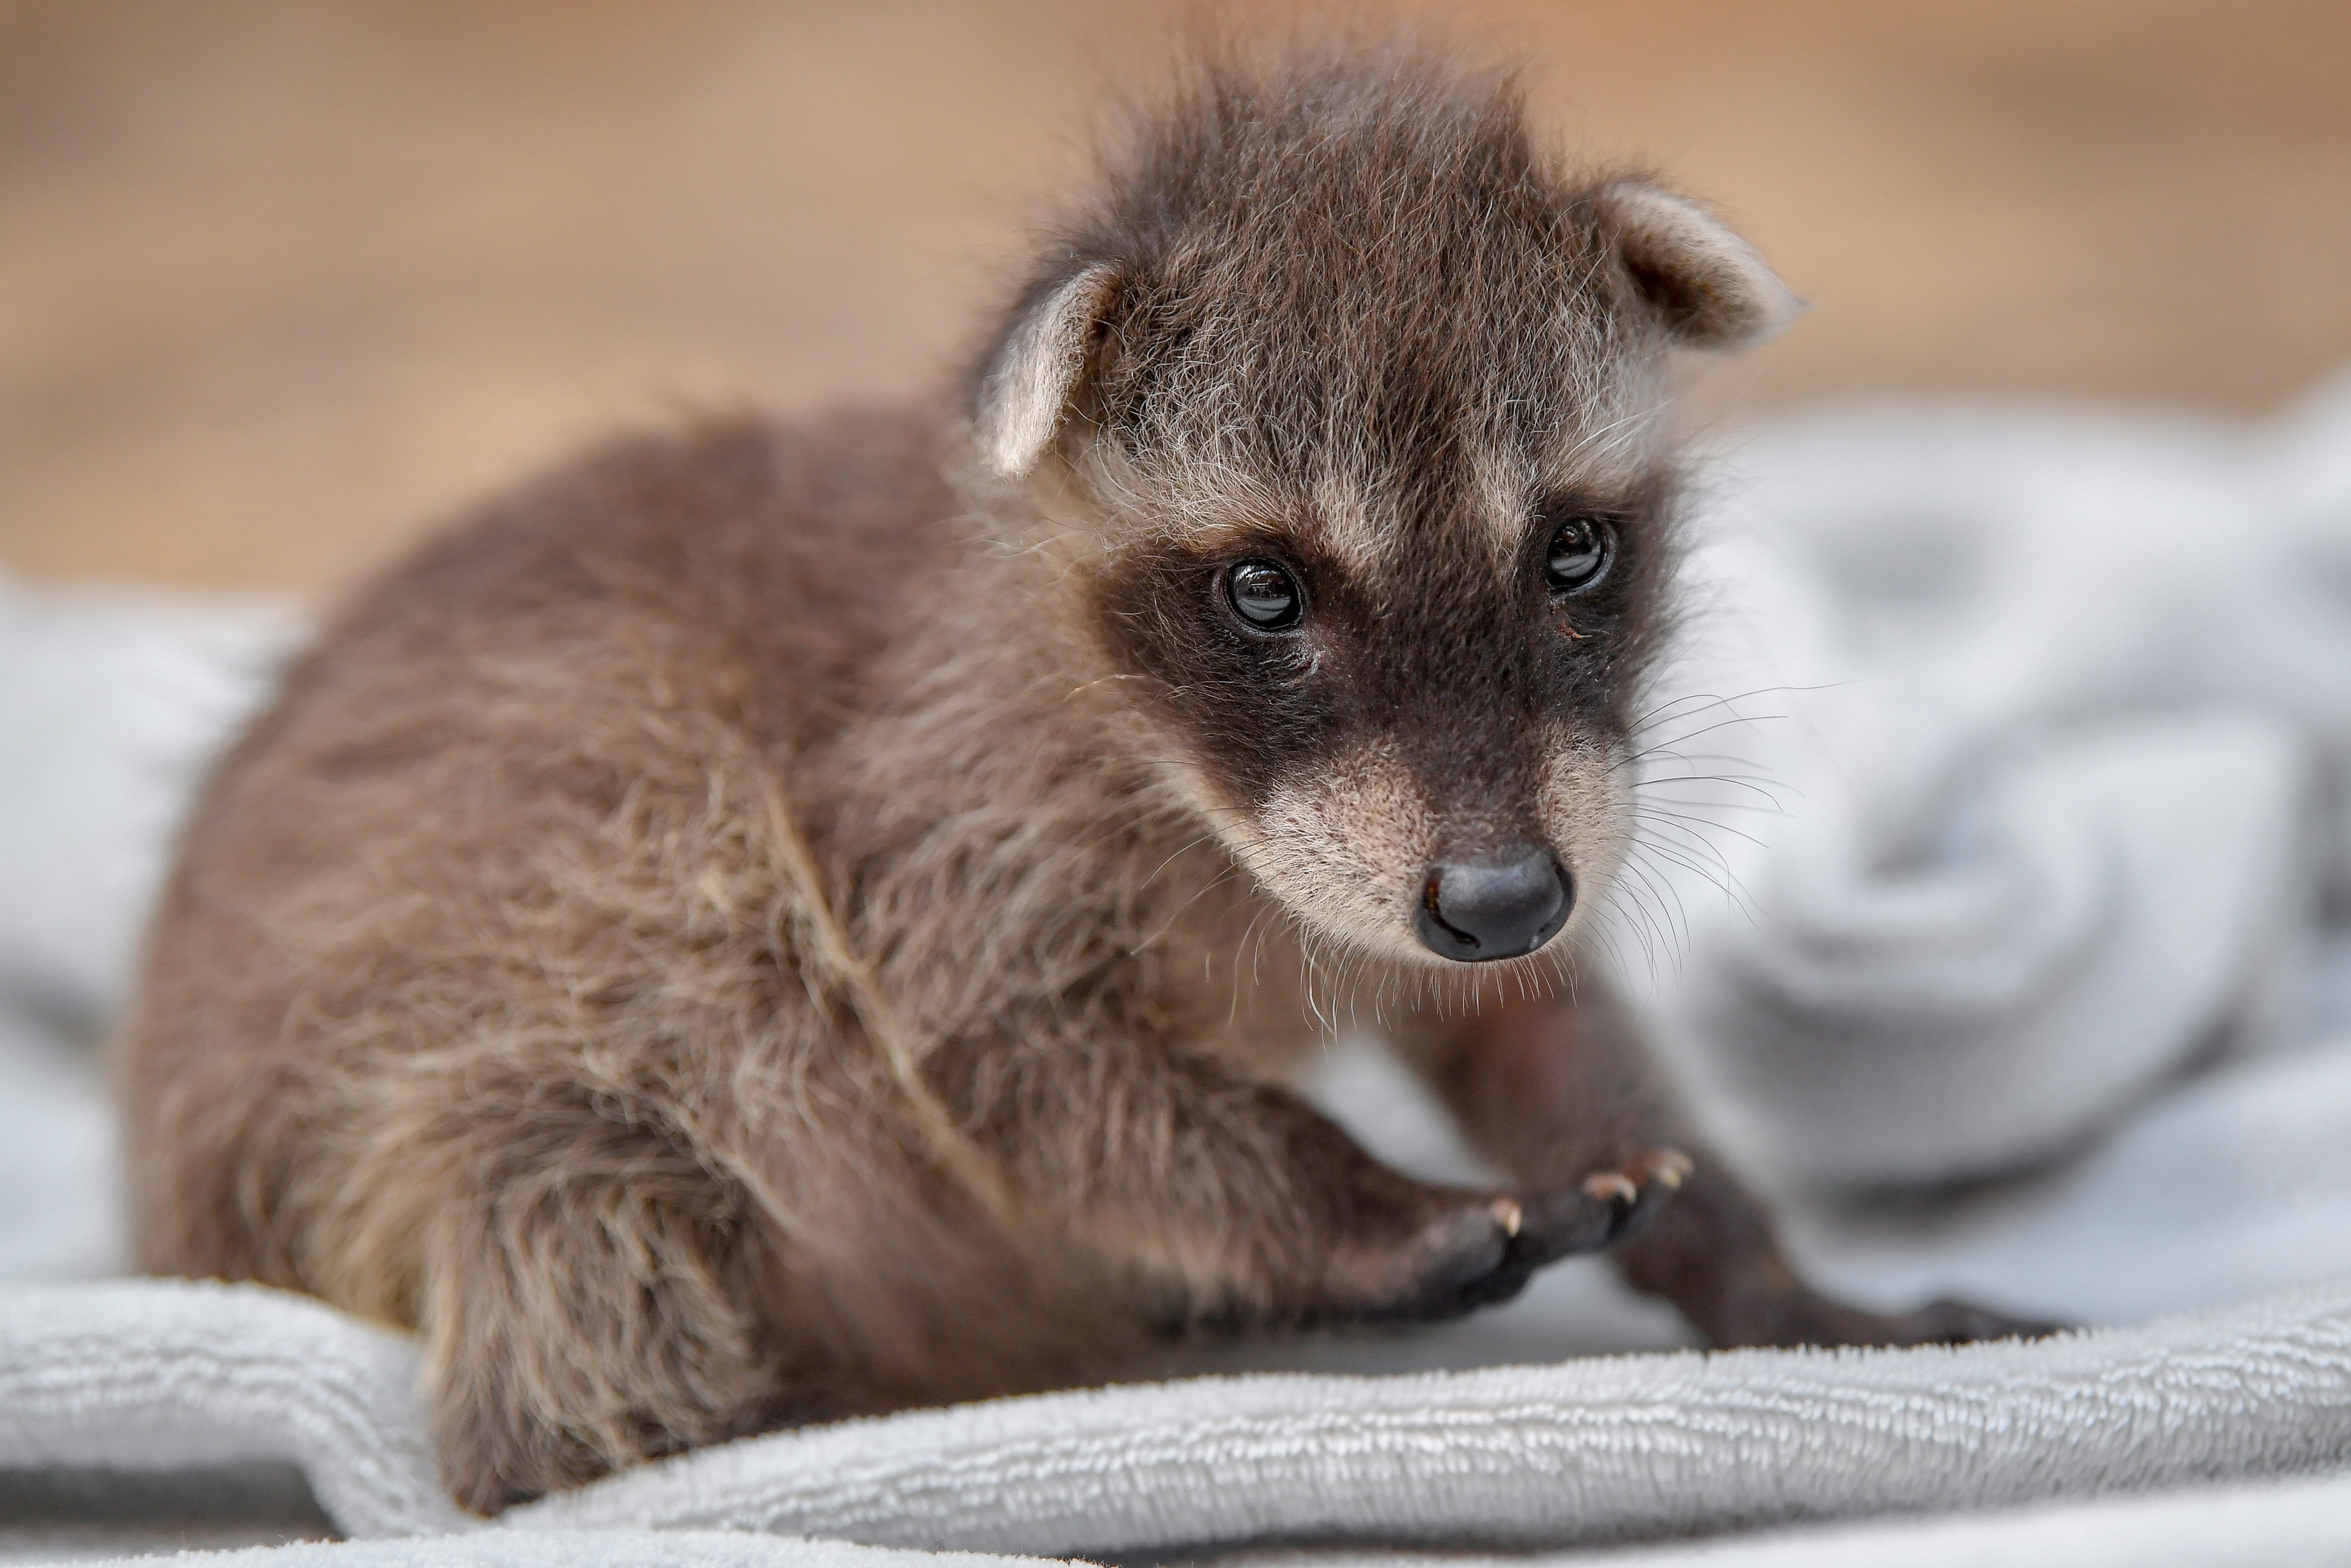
column 2303, row 1524
column 1593, row 1450
column 2058, row 706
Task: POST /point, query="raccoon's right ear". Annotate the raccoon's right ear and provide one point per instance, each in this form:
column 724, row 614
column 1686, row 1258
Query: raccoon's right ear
column 1038, row 370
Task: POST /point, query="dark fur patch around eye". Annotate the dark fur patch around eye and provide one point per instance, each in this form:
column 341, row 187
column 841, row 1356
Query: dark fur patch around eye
column 1461, row 665
column 1248, row 701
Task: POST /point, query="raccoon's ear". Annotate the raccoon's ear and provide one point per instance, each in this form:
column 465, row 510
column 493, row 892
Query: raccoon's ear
column 1711, row 287
column 1038, row 368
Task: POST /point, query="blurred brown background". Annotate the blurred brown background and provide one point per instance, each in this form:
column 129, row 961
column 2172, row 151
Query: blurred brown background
column 282, row 280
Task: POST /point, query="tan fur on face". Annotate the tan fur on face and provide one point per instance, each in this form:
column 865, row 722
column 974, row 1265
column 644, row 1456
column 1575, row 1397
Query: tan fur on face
column 1346, row 519
column 1624, row 429
column 1346, row 849
column 1587, row 806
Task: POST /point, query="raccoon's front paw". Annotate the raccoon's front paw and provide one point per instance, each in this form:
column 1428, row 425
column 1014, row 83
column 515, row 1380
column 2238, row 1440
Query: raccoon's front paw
column 1485, row 1251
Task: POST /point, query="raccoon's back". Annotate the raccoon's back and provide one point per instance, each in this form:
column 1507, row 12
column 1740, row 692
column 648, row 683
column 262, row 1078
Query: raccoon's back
column 519, row 759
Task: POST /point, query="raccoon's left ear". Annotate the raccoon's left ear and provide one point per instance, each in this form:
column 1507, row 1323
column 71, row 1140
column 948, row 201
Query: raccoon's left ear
column 1037, row 369
column 1712, row 289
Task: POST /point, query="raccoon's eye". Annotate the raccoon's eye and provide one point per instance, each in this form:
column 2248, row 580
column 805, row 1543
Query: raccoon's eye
column 1264, row 595
column 1578, row 556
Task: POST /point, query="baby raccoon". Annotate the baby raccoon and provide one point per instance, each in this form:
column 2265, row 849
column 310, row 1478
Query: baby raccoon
column 771, row 924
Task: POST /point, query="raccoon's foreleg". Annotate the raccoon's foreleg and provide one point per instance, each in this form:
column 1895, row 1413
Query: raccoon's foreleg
column 1245, row 1198
column 1547, row 1088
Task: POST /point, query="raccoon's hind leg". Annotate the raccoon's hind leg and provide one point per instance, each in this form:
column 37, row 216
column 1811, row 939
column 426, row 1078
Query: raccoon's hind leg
column 1547, row 1088
column 586, row 1294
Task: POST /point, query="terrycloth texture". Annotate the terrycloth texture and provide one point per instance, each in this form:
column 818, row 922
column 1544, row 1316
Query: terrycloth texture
column 571, row 1549
column 2059, row 708
column 1587, row 1451
column 2304, row 1525
column 2054, row 899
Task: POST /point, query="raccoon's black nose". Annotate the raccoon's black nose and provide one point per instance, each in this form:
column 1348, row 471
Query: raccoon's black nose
column 1500, row 908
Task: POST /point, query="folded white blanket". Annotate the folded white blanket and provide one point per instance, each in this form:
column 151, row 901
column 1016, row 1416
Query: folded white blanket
column 1602, row 1449
column 2303, row 1524
column 2058, row 707
column 572, row 1548
column 2049, row 890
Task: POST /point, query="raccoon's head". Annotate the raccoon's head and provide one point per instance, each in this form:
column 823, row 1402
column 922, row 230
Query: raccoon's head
column 1355, row 402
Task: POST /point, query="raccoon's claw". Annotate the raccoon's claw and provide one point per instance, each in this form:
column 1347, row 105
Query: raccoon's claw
column 1484, row 1254
column 1640, row 1189
column 1602, row 1210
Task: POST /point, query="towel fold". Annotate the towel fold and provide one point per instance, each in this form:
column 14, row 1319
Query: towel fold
column 2020, row 738
column 1591, row 1451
